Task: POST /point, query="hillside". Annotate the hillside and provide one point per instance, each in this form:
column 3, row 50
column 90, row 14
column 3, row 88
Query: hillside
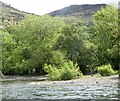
column 77, row 12
column 10, row 15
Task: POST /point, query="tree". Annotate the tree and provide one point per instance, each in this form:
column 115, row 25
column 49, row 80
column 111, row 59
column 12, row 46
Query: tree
column 1, row 74
column 75, row 41
column 8, row 45
column 106, row 36
column 35, row 37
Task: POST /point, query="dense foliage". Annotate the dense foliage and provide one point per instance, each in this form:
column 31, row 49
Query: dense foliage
column 75, row 41
column 29, row 44
column 106, row 70
column 106, row 36
column 66, row 71
column 42, row 44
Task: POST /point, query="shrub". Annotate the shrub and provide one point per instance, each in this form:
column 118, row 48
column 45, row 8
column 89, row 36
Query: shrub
column 106, row 70
column 116, row 72
column 58, row 58
column 67, row 71
column 66, row 74
column 53, row 72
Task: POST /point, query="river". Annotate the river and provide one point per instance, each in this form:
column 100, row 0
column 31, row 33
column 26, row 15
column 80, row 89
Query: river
column 84, row 88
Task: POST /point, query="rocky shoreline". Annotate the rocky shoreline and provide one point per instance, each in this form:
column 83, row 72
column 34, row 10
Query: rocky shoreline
column 23, row 78
column 44, row 78
column 60, row 100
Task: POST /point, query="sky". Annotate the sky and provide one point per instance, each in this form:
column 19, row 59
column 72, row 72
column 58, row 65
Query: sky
column 41, row 7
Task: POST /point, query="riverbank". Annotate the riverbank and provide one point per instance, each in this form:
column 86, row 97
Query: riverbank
column 23, row 78
column 44, row 78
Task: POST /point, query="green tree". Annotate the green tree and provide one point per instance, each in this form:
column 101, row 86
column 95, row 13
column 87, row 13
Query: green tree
column 8, row 45
column 35, row 37
column 75, row 41
column 106, row 36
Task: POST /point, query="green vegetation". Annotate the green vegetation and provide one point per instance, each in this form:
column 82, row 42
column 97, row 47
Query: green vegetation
column 40, row 45
column 74, row 40
column 106, row 36
column 67, row 71
column 106, row 70
column 29, row 45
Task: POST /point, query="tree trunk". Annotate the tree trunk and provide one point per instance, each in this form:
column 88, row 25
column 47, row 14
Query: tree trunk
column 1, row 74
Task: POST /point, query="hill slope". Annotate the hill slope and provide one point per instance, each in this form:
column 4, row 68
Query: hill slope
column 77, row 12
column 10, row 15
column 73, row 13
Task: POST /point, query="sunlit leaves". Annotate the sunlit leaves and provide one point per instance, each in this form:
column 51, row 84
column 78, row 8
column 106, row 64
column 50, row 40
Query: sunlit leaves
column 35, row 37
column 106, row 34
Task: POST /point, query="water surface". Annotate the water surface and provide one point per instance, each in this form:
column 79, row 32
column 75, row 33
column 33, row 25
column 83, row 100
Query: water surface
column 85, row 88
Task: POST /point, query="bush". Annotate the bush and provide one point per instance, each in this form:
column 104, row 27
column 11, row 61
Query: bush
column 53, row 72
column 106, row 70
column 116, row 72
column 57, row 58
column 66, row 72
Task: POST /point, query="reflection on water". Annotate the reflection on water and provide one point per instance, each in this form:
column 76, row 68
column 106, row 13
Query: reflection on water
column 60, row 90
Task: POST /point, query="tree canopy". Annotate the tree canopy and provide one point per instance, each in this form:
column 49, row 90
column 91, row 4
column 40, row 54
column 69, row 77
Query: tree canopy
column 106, row 35
column 39, row 41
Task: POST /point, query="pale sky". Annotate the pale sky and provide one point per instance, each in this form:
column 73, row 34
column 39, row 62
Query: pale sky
column 41, row 7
